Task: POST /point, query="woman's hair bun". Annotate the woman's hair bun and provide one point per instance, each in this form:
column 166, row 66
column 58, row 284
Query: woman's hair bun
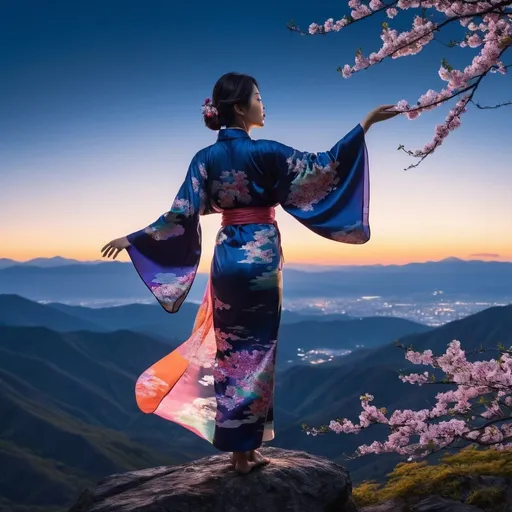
column 231, row 89
column 212, row 122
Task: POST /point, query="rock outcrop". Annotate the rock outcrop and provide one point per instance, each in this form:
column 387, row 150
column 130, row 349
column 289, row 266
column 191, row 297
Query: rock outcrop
column 293, row 482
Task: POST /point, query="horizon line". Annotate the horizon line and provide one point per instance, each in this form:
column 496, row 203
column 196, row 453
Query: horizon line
column 489, row 259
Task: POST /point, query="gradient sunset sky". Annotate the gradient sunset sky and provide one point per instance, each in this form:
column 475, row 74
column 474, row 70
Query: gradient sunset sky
column 100, row 116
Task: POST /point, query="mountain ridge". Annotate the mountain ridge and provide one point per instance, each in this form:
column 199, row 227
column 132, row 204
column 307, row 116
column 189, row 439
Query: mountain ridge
column 119, row 282
column 375, row 371
column 55, row 261
column 69, row 413
column 299, row 332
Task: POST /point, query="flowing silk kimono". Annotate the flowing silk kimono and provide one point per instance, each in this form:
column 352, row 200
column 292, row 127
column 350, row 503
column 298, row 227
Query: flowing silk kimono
column 220, row 382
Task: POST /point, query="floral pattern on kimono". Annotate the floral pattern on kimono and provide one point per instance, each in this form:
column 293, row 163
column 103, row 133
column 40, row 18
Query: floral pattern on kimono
column 311, row 183
column 260, row 249
column 231, row 187
column 219, row 383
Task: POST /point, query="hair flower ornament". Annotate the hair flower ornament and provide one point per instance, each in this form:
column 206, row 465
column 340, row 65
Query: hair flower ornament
column 208, row 109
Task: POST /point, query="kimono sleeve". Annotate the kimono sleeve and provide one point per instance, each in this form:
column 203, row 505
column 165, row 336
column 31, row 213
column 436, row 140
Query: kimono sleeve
column 328, row 191
column 166, row 253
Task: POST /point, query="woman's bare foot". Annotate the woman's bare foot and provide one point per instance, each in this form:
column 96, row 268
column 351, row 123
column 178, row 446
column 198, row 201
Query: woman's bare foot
column 253, row 456
column 235, row 455
column 258, row 458
column 242, row 463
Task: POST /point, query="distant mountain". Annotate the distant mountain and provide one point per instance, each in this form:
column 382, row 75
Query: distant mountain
column 348, row 334
column 74, row 282
column 151, row 318
column 306, row 267
column 16, row 310
column 301, row 333
column 450, row 276
column 56, row 261
column 6, row 262
column 144, row 318
column 147, row 318
column 118, row 281
column 317, row 394
column 296, row 331
column 58, row 454
column 69, row 416
column 407, row 267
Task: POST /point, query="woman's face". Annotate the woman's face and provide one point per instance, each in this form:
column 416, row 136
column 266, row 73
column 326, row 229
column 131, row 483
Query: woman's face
column 254, row 114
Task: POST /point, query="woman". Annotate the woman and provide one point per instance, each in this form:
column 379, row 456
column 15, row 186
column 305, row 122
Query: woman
column 220, row 382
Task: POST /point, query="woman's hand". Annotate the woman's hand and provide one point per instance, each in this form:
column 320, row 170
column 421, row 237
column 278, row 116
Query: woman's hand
column 382, row 113
column 115, row 247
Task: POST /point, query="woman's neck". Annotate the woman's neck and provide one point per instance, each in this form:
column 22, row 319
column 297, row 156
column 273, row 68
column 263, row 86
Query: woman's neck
column 236, row 128
column 240, row 125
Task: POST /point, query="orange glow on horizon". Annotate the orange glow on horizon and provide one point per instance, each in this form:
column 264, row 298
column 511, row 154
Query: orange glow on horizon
column 395, row 239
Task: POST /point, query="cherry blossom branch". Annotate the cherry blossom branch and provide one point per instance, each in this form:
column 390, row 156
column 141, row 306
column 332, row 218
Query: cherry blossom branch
column 488, row 24
column 330, row 26
column 474, row 380
column 294, row 28
column 504, row 104
column 500, row 348
column 452, row 120
column 451, row 44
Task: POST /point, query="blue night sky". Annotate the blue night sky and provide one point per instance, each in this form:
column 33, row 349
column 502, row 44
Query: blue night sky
column 100, row 116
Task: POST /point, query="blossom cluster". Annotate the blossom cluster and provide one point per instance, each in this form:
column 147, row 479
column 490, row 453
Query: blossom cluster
column 480, row 407
column 488, row 26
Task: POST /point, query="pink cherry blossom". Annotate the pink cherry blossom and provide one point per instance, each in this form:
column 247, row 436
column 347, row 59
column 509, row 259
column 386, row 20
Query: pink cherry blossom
column 489, row 29
column 478, row 411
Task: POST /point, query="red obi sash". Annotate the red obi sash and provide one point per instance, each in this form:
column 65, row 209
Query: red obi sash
column 249, row 215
